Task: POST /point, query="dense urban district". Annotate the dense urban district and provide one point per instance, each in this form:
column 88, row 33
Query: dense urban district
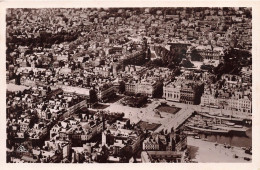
column 96, row 85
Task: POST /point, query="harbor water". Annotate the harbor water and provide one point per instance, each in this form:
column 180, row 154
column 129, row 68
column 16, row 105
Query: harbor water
column 233, row 140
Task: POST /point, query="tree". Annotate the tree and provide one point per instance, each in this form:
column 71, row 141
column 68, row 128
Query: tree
column 248, row 12
column 48, row 89
column 34, row 119
column 172, row 130
column 18, row 79
column 93, row 96
column 121, row 87
column 126, row 153
column 171, row 66
column 187, row 64
column 155, row 63
column 176, row 71
column 141, row 101
column 216, row 94
column 158, row 90
column 234, row 60
column 104, row 154
column 148, row 54
column 50, row 55
column 195, row 56
column 65, row 19
column 206, row 67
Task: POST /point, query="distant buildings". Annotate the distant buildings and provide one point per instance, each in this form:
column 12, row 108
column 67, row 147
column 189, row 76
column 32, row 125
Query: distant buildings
column 209, row 55
column 179, row 47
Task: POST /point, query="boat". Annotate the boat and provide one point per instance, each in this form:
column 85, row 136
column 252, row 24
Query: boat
column 231, row 129
column 223, row 117
column 214, row 128
column 238, row 126
column 190, row 133
column 248, row 151
column 230, row 124
column 208, row 130
column 196, row 137
column 246, row 158
column 244, row 148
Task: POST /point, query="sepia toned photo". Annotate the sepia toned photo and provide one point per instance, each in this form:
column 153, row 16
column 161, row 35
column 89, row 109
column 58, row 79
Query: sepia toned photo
column 129, row 85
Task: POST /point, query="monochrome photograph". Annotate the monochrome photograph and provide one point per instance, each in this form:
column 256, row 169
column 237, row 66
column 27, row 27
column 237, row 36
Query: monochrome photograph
column 128, row 85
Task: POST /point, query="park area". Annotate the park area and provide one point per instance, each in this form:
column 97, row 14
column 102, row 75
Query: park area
column 100, row 106
column 115, row 99
column 168, row 109
column 148, row 126
column 134, row 101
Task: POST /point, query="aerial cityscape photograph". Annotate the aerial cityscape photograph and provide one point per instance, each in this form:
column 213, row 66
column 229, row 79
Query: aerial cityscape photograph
column 129, row 85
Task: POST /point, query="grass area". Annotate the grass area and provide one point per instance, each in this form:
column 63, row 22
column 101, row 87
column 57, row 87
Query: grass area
column 100, row 106
column 115, row 99
column 148, row 126
column 168, row 109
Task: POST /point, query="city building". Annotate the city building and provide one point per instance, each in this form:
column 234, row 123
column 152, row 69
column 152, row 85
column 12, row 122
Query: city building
column 184, row 91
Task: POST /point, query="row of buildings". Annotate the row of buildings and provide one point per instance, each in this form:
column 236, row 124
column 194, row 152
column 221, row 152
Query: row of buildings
column 233, row 95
